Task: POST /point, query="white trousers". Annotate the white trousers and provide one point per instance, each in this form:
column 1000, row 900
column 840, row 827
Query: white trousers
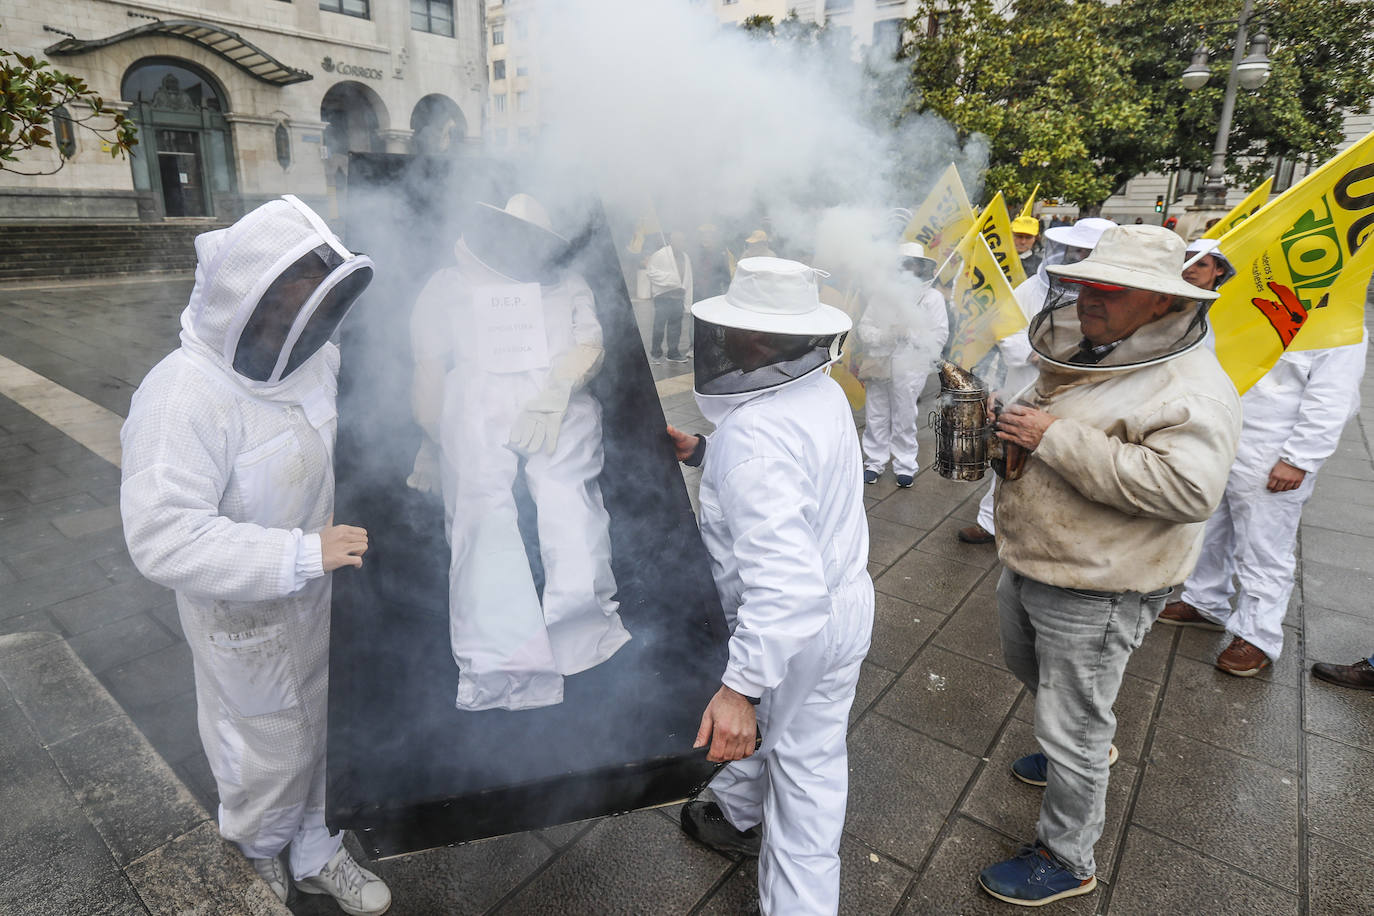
column 512, row 650
column 890, row 422
column 797, row 784
column 1251, row 537
column 262, row 681
column 985, row 519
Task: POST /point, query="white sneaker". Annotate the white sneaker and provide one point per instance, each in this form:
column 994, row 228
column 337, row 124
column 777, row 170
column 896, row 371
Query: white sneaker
column 273, row 871
column 357, row 891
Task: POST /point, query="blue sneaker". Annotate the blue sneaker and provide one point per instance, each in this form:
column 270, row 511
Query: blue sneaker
column 870, row 476
column 1033, row 878
column 905, row 480
column 1031, row 768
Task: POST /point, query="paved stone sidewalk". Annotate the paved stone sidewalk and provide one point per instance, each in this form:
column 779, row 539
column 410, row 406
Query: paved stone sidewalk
column 1232, row 796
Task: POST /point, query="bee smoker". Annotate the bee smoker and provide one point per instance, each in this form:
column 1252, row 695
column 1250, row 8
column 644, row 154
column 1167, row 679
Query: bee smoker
column 966, row 441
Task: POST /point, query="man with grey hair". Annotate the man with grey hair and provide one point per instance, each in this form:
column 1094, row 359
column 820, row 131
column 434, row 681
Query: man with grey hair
column 1132, row 426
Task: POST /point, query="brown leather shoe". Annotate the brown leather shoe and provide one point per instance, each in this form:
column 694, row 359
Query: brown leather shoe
column 976, row 534
column 1242, row 659
column 1183, row 614
column 1360, row 675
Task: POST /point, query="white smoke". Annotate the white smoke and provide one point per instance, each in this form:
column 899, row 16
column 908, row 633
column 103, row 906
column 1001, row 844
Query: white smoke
column 653, row 105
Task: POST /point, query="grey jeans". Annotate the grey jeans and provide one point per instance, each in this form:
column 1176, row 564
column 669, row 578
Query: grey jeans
column 1070, row 648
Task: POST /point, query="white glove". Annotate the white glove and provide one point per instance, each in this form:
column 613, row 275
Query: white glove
column 537, row 426
column 539, row 421
column 425, row 476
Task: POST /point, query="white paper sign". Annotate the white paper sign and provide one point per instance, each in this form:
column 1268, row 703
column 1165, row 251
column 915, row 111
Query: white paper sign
column 510, row 327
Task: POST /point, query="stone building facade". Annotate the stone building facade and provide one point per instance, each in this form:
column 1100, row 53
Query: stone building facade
column 239, row 101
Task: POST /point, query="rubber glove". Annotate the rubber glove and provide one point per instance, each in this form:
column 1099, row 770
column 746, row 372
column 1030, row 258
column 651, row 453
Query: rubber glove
column 541, row 419
column 536, row 428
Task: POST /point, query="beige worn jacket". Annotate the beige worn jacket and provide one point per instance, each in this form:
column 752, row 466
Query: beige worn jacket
column 1116, row 496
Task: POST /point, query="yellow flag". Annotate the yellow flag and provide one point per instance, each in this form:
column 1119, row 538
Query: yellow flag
column 1302, row 267
column 943, row 217
column 1029, row 208
column 1246, row 208
column 983, row 309
column 994, row 225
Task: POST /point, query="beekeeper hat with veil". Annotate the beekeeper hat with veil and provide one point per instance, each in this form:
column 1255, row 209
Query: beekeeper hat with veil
column 768, row 330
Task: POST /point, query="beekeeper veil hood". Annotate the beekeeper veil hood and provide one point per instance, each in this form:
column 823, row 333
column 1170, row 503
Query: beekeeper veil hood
column 269, row 292
column 769, row 329
column 517, row 242
column 1068, row 245
column 914, row 261
column 1148, row 258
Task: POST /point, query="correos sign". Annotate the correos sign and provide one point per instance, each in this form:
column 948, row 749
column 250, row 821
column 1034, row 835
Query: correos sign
column 370, row 73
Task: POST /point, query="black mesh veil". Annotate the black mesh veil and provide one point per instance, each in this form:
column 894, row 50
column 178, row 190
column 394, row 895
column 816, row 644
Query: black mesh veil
column 736, row 361
column 298, row 312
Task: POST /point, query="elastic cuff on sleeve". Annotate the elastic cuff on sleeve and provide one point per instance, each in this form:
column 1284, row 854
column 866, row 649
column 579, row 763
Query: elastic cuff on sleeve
column 309, row 559
column 741, row 684
column 698, row 455
column 1304, row 466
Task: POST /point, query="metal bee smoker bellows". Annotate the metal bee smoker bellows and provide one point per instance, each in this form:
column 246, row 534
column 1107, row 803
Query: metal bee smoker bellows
column 965, row 441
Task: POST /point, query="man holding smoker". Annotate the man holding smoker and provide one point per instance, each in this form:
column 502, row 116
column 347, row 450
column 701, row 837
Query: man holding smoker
column 1132, row 426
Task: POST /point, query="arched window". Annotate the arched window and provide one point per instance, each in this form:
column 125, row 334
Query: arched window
column 437, row 126
column 171, row 84
column 183, row 164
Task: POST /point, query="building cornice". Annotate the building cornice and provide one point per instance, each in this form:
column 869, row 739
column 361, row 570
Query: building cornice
column 256, row 25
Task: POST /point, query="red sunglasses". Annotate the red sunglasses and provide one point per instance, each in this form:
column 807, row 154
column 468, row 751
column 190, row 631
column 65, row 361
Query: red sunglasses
column 1093, row 284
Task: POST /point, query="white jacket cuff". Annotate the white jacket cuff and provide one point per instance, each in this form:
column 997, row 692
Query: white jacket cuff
column 736, row 681
column 309, row 559
column 1307, row 465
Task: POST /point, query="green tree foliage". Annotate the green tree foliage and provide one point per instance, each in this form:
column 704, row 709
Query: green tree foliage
column 31, row 92
column 1082, row 96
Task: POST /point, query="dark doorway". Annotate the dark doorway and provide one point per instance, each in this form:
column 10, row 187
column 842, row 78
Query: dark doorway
column 179, row 167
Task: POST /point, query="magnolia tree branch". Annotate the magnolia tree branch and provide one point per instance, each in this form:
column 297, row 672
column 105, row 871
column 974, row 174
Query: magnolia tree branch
column 33, row 96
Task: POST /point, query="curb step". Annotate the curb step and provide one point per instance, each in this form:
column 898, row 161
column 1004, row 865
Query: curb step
column 94, row 818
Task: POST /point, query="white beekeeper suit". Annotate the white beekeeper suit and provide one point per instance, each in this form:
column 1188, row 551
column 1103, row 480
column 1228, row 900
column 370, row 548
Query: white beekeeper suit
column 1294, row 413
column 488, row 408
column 1063, row 245
column 227, row 481
column 782, row 517
column 903, row 331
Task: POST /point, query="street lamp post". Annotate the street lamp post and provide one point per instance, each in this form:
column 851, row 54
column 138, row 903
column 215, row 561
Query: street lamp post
column 1249, row 69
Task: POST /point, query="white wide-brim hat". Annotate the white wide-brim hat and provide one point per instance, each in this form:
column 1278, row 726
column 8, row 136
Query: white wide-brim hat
column 1139, row 257
column 775, row 296
column 523, row 215
column 1082, row 234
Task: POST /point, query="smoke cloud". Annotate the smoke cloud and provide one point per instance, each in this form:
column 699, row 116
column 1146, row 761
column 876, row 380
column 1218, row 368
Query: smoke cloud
column 653, row 104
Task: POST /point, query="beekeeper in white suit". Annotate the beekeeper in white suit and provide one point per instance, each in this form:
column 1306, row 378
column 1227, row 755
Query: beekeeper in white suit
column 505, row 343
column 1293, row 417
column 1063, row 245
column 228, row 498
column 782, row 517
column 903, row 331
